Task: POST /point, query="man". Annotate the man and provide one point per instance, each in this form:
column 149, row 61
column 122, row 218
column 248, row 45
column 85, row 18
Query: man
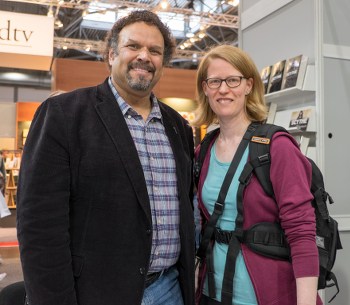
column 117, row 229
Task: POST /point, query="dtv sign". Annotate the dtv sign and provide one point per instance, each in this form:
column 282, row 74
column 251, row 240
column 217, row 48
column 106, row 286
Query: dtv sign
column 26, row 41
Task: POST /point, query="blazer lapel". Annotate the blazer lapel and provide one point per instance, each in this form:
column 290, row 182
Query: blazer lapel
column 118, row 130
column 176, row 144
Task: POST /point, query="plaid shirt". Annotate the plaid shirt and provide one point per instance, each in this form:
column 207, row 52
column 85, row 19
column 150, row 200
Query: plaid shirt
column 159, row 168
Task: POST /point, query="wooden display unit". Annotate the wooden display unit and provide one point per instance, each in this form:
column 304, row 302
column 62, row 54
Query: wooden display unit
column 24, row 115
column 12, row 165
column 11, row 187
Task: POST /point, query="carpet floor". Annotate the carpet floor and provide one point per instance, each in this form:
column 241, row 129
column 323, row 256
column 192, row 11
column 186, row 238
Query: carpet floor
column 9, row 254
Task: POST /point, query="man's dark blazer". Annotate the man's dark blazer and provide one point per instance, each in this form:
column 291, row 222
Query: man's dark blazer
column 83, row 214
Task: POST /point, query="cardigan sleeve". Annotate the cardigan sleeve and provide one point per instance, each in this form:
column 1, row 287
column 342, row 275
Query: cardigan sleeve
column 291, row 179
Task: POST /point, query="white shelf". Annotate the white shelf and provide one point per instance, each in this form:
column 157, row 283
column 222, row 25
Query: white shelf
column 291, row 97
column 296, row 96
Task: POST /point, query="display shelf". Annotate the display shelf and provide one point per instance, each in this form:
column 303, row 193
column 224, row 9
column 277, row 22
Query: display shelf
column 295, row 96
column 11, row 188
column 300, row 135
column 291, row 97
column 297, row 132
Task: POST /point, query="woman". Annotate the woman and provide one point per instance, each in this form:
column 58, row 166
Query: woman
column 230, row 93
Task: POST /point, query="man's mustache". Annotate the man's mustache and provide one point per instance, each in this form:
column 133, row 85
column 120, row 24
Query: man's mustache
column 142, row 66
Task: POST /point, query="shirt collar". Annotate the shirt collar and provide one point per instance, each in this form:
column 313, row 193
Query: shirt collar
column 126, row 108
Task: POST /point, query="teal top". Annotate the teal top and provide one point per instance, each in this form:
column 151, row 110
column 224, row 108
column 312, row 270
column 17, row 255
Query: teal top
column 243, row 291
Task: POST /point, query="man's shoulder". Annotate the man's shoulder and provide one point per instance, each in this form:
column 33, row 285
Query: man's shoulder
column 170, row 111
column 81, row 96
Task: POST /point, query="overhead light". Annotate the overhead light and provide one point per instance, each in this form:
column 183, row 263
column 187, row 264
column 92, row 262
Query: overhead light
column 58, row 23
column 233, row 2
column 194, row 57
column 64, row 47
column 50, row 12
column 15, row 76
column 189, row 34
column 87, row 49
column 164, row 4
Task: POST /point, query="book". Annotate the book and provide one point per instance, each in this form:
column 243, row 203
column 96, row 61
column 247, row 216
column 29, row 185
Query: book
column 294, row 72
column 304, row 144
column 300, row 119
column 297, row 120
column 265, row 77
column 275, row 83
column 272, row 113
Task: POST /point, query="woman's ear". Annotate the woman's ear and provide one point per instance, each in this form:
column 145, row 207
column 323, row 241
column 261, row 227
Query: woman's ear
column 249, row 85
column 204, row 88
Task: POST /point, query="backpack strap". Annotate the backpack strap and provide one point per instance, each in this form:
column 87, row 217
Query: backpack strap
column 205, row 247
column 259, row 163
column 321, row 197
column 259, row 153
column 203, row 148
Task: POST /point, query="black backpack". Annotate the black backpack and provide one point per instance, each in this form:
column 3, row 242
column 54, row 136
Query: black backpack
column 268, row 238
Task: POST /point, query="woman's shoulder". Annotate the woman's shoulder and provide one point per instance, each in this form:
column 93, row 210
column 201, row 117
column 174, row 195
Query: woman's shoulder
column 283, row 141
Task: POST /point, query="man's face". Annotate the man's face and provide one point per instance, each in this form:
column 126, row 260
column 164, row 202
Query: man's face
column 138, row 64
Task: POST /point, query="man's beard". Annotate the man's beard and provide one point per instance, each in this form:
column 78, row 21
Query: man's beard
column 141, row 83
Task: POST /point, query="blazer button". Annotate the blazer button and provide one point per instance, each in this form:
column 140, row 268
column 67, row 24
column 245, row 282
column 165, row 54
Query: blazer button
column 149, row 231
column 142, row 270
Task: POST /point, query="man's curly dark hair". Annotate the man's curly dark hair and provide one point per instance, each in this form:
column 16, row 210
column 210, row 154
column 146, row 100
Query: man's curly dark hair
column 112, row 38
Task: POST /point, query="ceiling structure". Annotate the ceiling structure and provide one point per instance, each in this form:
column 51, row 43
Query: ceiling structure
column 81, row 25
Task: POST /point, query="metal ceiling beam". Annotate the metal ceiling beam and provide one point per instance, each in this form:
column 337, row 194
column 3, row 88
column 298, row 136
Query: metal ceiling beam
column 208, row 18
column 96, row 46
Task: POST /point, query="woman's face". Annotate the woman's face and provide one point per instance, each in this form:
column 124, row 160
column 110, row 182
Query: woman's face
column 226, row 102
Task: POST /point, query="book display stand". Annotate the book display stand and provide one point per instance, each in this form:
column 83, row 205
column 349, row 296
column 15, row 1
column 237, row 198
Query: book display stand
column 11, row 187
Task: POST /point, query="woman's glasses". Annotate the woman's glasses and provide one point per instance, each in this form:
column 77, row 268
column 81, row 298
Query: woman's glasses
column 231, row 82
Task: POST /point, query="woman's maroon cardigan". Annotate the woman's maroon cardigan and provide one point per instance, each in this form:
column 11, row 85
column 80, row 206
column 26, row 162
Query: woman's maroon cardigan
column 274, row 280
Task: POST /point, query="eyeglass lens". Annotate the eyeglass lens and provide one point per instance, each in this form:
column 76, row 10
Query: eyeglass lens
column 232, row 82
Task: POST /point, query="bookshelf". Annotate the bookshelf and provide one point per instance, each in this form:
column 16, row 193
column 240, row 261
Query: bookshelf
column 290, row 97
column 11, row 187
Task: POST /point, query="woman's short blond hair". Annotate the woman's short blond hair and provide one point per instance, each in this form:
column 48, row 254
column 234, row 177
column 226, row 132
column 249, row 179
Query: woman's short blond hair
column 255, row 106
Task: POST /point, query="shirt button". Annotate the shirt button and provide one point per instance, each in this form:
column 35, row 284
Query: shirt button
column 129, row 116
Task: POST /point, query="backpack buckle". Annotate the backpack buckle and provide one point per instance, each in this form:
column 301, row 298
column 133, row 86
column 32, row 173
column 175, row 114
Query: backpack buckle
column 263, row 159
column 218, row 208
column 196, row 169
